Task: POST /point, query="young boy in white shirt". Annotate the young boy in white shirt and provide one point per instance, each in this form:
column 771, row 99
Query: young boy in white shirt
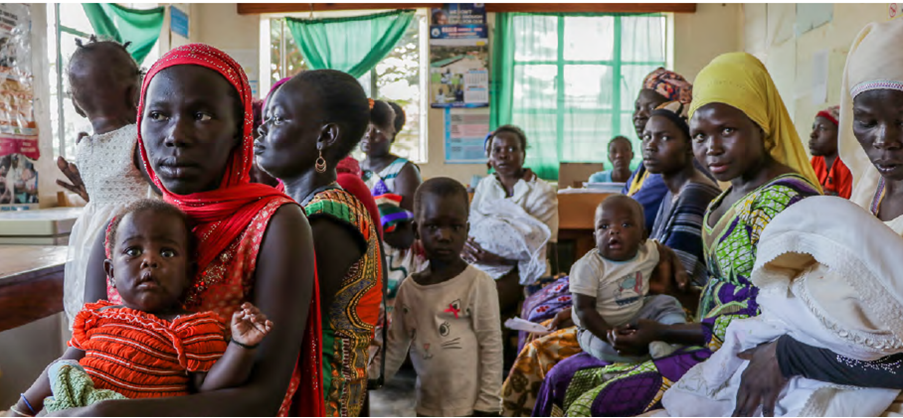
column 448, row 314
column 610, row 284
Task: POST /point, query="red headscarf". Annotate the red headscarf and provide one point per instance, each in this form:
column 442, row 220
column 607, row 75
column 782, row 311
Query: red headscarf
column 220, row 215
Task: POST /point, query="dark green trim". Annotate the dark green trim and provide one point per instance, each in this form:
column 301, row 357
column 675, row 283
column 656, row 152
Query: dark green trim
column 398, row 12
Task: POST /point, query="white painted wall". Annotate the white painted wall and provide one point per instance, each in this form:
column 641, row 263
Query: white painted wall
column 768, row 34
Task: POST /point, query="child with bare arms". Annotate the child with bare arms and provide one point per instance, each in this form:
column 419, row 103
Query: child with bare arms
column 105, row 82
column 149, row 346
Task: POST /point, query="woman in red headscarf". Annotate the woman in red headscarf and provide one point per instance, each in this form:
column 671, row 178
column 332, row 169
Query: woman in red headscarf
column 255, row 244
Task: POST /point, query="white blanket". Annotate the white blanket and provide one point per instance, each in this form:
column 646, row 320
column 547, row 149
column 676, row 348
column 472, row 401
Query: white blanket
column 506, row 229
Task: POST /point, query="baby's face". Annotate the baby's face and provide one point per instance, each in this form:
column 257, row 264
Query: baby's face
column 150, row 263
column 619, row 230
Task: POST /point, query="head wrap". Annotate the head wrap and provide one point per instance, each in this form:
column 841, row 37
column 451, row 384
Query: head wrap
column 273, row 89
column 740, row 80
column 669, row 84
column 220, row 215
column 832, row 114
column 874, row 63
column 349, row 165
column 675, row 112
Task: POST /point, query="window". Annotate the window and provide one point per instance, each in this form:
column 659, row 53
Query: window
column 575, row 79
column 397, row 78
column 66, row 23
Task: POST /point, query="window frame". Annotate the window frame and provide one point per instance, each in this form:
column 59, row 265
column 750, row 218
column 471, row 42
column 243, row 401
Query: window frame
column 617, row 111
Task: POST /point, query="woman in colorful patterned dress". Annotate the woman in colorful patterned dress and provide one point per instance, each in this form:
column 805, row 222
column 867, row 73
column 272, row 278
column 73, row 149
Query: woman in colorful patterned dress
column 871, row 145
column 745, row 136
column 195, row 139
column 312, row 122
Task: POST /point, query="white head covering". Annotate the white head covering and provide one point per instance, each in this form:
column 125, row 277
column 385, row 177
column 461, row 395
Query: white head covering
column 875, row 62
column 858, row 298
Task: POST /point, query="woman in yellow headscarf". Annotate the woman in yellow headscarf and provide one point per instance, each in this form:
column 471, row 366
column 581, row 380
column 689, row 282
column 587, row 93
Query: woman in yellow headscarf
column 742, row 132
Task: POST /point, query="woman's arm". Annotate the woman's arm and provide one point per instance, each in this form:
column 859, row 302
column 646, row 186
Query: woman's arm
column 95, row 275
column 40, row 389
column 336, row 251
column 283, row 289
column 636, row 337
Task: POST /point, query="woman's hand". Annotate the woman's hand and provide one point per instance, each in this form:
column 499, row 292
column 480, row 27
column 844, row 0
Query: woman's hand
column 761, row 382
column 677, row 274
column 475, row 254
column 634, row 339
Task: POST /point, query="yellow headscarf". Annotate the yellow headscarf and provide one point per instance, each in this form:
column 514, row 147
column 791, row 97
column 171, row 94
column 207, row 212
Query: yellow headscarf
column 874, row 62
column 740, row 80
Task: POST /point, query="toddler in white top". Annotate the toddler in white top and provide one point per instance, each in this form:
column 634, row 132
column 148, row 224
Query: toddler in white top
column 610, row 284
column 447, row 316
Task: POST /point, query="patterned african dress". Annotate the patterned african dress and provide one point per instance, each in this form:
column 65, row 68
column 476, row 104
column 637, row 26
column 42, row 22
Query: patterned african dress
column 582, row 385
column 349, row 321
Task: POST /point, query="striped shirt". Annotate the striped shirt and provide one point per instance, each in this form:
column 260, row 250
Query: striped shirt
column 142, row 356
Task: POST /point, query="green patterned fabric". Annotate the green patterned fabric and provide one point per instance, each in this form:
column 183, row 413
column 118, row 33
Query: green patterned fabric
column 730, row 251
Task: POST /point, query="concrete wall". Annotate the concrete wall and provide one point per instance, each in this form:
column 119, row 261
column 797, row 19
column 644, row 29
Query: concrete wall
column 768, row 33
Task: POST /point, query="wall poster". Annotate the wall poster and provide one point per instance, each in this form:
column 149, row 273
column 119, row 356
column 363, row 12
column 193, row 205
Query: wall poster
column 18, row 128
column 459, row 56
column 465, row 133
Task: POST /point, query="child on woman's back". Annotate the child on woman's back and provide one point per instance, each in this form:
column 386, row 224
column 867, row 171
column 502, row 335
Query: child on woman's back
column 610, row 283
column 447, row 314
column 105, row 82
column 148, row 346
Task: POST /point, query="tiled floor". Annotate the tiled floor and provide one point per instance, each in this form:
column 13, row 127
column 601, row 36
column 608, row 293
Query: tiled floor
column 396, row 398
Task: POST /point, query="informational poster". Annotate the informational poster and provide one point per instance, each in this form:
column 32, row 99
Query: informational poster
column 893, row 11
column 249, row 61
column 18, row 128
column 819, row 86
column 812, row 15
column 465, row 132
column 459, row 56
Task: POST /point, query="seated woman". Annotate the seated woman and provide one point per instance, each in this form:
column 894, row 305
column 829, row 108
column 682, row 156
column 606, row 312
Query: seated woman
column 255, row 243
column 745, row 136
column 667, row 151
column 620, row 154
column 870, row 145
column 833, row 174
column 513, row 218
column 392, row 180
column 659, row 87
column 313, row 121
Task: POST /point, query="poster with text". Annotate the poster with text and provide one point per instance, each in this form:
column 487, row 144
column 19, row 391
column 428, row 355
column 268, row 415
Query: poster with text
column 465, row 133
column 18, row 129
column 459, row 56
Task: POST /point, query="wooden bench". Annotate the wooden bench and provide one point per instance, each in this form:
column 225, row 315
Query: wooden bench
column 31, row 283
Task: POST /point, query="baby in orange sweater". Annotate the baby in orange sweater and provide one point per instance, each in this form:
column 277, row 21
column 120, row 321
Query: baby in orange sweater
column 149, row 346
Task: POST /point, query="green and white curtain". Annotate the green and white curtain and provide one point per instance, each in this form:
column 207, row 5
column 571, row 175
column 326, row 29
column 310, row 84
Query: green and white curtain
column 350, row 44
column 570, row 81
column 140, row 27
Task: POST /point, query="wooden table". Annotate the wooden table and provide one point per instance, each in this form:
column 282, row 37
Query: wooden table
column 31, row 283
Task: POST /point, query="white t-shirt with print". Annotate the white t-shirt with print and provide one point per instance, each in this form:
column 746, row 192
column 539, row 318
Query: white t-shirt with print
column 618, row 286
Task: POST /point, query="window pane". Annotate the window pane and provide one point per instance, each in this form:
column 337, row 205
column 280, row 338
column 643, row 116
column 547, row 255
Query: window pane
column 537, row 38
column 398, row 80
column 632, row 82
column 587, row 87
column 589, row 38
column 586, row 135
column 643, row 38
column 535, row 86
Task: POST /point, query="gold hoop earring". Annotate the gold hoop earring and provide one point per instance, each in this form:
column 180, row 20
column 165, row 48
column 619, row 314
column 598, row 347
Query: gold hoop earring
column 320, row 164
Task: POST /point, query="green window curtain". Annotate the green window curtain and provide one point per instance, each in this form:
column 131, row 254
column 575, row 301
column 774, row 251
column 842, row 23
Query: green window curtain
column 570, row 80
column 140, row 27
column 351, row 44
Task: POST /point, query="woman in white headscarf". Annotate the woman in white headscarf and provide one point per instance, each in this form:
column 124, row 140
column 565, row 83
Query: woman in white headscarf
column 871, row 145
